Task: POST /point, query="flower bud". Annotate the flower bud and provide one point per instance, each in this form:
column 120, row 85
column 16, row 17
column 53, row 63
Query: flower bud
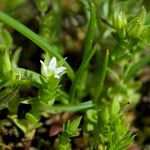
column 145, row 35
column 6, row 40
column 119, row 19
column 135, row 30
column 115, row 107
column 42, row 5
column 5, row 45
column 135, row 27
column 5, row 64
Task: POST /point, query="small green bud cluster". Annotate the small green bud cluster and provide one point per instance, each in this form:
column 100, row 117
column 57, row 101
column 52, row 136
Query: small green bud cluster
column 130, row 27
column 42, row 5
column 119, row 19
column 135, row 26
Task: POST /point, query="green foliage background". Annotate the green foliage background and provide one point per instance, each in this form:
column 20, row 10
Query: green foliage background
column 104, row 45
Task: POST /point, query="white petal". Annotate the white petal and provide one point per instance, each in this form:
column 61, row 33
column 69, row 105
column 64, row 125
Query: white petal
column 52, row 64
column 44, row 67
column 56, row 76
column 59, row 70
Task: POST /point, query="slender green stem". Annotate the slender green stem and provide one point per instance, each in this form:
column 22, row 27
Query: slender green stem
column 101, row 83
column 79, row 75
column 90, row 32
column 114, row 74
column 134, row 68
column 81, row 106
column 36, row 39
column 88, row 53
column 105, row 21
column 57, row 12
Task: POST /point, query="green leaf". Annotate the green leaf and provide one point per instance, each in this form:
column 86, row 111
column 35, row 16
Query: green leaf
column 5, row 38
column 31, row 119
column 19, row 123
column 72, row 127
column 5, row 64
column 61, row 108
column 88, row 52
column 15, row 57
column 102, row 79
column 70, row 130
column 145, row 35
column 114, row 74
column 35, row 78
column 80, row 73
column 134, row 69
column 6, row 100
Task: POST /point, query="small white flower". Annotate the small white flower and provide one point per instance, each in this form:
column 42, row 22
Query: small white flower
column 52, row 68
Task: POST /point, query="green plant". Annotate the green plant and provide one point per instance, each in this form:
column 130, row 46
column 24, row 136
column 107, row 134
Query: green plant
column 111, row 86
